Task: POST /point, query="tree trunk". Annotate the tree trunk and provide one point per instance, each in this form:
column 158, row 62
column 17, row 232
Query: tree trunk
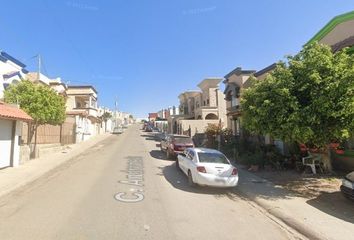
column 34, row 132
column 326, row 159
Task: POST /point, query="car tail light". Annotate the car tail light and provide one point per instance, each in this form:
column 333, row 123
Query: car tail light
column 234, row 171
column 201, row 169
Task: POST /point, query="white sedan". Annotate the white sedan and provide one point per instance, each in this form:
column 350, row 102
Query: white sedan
column 207, row 167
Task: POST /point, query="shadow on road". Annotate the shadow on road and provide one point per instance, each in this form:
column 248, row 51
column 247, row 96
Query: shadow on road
column 157, row 154
column 334, row 204
column 179, row 181
column 149, row 137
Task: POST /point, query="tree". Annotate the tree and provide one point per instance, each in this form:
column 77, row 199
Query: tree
column 309, row 99
column 42, row 103
column 105, row 117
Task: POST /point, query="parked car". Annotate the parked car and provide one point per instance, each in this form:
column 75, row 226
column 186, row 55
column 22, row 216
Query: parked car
column 347, row 187
column 148, row 128
column 174, row 144
column 117, row 130
column 207, row 167
column 155, row 129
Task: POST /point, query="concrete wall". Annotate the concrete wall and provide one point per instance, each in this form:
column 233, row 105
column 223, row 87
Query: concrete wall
column 197, row 126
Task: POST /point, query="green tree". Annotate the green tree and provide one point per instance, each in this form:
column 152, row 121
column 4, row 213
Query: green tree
column 309, row 99
column 42, row 103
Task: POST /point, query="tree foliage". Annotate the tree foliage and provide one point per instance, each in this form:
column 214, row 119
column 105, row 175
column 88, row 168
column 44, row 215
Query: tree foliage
column 106, row 116
column 42, row 103
column 309, row 99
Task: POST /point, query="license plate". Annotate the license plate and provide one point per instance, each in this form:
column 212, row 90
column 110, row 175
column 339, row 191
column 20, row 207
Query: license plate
column 347, row 184
column 220, row 180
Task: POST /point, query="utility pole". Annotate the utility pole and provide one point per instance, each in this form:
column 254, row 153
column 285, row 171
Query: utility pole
column 39, row 66
column 115, row 112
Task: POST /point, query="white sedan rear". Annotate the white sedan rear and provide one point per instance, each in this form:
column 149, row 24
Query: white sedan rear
column 207, row 167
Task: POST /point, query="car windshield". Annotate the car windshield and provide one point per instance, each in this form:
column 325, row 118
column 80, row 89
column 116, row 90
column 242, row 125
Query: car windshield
column 183, row 140
column 212, row 157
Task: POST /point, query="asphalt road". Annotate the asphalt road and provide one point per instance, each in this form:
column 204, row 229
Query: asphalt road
column 124, row 188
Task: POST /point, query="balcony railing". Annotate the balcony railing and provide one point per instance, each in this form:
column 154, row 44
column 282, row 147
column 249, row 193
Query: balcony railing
column 90, row 111
column 236, row 108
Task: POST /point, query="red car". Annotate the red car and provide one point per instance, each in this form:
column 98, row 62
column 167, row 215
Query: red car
column 175, row 144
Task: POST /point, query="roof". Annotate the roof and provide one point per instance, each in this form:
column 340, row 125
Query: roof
column 210, row 82
column 206, row 150
column 239, row 71
column 331, row 25
column 5, row 56
column 83, row 86
column 11, row 112
column 153, row 115
column 265, row 70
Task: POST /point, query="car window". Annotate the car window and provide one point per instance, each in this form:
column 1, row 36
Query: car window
column 191, row 154
column 183, row 140
column 212, row 157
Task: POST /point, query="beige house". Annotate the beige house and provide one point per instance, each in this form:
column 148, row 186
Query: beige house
column 199, row 108
column 234, row 83
column 82, row 104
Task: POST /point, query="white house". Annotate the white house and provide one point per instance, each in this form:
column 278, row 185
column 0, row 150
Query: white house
column 11, row 71
column 81, row 103
column 11, row 118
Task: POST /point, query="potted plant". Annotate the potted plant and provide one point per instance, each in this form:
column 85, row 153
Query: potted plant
column 340, row 150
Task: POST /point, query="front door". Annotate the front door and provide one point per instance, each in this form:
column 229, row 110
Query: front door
column 5, row 142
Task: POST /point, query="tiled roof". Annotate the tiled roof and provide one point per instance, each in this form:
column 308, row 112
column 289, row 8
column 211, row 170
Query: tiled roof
column 152, row 115
column 11, row 112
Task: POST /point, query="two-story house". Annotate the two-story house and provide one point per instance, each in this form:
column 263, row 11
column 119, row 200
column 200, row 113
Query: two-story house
column 198, row 108
column 234, row 83
column 11, row 71
column 82, row 104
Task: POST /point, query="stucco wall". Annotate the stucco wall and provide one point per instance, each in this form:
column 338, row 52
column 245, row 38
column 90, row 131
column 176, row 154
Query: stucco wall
column 197, row 126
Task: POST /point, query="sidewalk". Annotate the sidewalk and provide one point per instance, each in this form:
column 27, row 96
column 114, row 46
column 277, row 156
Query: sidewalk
column 303, row 215
column 14, row 178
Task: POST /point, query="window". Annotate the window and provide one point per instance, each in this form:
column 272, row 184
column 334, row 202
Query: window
column 234, row 101
column 212, row 157
column 191, row 154
column 207, row 101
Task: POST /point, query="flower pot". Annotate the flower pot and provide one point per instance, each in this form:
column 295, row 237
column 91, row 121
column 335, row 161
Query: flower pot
column 334, row 145
column 340, row 151
column 254, row 168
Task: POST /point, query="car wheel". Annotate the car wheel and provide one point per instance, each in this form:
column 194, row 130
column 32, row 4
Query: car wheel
column 190, row 179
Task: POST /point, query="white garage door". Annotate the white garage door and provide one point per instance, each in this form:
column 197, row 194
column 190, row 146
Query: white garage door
column 5, row 142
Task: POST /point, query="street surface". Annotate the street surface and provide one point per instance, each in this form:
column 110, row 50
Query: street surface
column 124, row 188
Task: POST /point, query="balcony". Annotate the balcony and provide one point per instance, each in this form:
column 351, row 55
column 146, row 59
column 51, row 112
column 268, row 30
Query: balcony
column 91, row 112
column 234, row 110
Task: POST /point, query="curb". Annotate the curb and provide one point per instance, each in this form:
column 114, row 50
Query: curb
column 281, row 214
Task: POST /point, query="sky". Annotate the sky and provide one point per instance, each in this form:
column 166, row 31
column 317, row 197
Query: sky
column 144, row 53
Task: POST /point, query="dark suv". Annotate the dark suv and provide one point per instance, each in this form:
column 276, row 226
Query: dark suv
column 175, row 144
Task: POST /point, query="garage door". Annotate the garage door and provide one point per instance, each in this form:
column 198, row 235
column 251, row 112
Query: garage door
column 5, row 142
